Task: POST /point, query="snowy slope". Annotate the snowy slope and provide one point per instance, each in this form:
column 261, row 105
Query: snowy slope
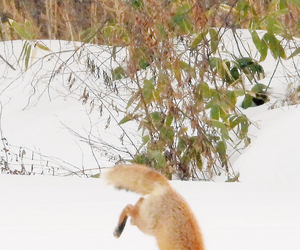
column 44, row 115
column 273, row 156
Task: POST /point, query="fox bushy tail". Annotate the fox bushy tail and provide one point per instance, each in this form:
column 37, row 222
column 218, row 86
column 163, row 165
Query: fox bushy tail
column 136, row 178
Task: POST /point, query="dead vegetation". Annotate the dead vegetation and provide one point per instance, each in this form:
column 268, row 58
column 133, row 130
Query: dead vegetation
column 70, row 19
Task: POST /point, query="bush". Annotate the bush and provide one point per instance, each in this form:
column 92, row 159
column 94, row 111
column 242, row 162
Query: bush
column 183, row 79
column 186, row 86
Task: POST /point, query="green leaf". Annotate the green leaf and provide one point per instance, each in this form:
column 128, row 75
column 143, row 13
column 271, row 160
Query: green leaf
column 143, row 63
column 239, row 92
column 263, row 50
column 225, row 72
column 89, row 34
column 215, row 112
column 158, row 157
column 145, row 140
column 231, row 95
column 215, row 62
column 181, row 18
column 199, row 162
column 203, row 90
column 283, row 7
column 222, row 147
column 247, row 102
column 295, row 53
column 126, row 119
column 137, row 107
column 42, row 46
column 245, row 62
column 107, row 31
column 222, row 127
column 156, row 117
column 185, row 25
column 259, row 87
column 169, row 120
column 131, row 100
column 250, row 67
column 24, row 48
column 114, row 52
column 244, row 8
column 187, row 68
column 147, row 90
column 274, row 46
column 137, row 4
column 273, row 25
column 256, row 40
column 27, row 55
column 237, row 119
column 259, row 70
column 96, row 175
column 198, row 39
column 26, row 34
column 234, row 73
column 181, row 145
column 184, row 66
column 167, row 133
column 244, row 126
column 214, row 40
column 118, row 73
column 142, row 158
column 260, row 45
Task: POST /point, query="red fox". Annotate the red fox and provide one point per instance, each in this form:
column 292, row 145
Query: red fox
column 162, row 213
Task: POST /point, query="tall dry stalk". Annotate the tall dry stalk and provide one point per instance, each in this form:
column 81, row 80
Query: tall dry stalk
column 56, row 19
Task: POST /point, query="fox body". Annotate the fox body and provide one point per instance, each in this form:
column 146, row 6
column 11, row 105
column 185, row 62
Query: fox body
column 162, row 213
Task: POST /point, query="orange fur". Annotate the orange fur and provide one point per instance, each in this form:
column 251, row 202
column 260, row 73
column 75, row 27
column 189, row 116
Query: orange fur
column 163, row 213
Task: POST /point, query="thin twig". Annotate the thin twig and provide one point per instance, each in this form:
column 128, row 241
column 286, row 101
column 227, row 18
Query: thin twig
column 12, row 67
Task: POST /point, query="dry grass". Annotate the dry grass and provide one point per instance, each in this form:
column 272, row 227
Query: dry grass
column 52, row 19
column 68, row 19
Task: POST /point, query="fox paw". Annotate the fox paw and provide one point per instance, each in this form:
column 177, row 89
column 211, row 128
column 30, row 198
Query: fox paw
column 119, row 229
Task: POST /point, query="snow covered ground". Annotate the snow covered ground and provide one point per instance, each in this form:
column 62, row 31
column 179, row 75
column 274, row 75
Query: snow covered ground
column 46, row 212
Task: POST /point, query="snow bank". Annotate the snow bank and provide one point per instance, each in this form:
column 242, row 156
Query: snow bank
column 273, row 155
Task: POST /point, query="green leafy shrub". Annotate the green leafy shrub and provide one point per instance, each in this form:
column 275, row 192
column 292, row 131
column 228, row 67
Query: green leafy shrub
column 184, row 82
column 186, row 89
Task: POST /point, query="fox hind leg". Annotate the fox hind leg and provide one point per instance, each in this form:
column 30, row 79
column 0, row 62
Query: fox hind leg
column 131, row 211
